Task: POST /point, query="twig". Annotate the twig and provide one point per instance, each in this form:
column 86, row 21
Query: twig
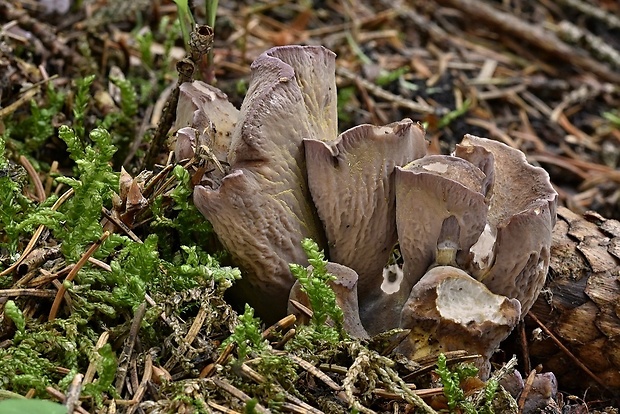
column 285, row 338
column 424, row 393
column 533, row 34
column 100, row 263
column 258, row 378
column 91, row 250
column 302, row 308
column 201, row 41
column 61, row 397
column 36, row 180
column 146, row 377
column 47, row 277
column 567, row 352
column 281, row 325
column 221, row 408
column 108, row 214
column 237, row 393
column 73, row 393
column 319, row 374
column 210, row 369
column 525, row 352
column 92, row 366
column 201, row 316
column 41, row 293
column 153, row 181
column 26, row 97
column 526, row 390
column 125, row 357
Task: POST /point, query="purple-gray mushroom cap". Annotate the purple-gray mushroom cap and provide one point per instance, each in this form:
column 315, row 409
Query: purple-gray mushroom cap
column 351, row 181
column 262, row 210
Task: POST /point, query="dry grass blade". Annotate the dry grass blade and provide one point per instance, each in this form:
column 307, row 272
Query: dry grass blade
column 91, row 250
column 533, row 35
column 125, row 357
column 237, row 393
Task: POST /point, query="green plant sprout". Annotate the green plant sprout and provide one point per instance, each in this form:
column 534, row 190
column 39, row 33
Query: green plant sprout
column 80, row 106
column 387, row 77
column 452, row 380
column 448, row 118
column 15, row 314
column 187, row 20
column 314, row 283
column 95, row 184
column 247, row 335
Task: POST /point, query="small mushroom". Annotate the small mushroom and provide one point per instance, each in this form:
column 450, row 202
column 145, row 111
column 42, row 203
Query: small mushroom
column 448, row 310
column 345, row 288
column 208, row 112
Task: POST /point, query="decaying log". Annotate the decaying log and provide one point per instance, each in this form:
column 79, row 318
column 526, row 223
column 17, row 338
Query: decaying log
column 580, row 304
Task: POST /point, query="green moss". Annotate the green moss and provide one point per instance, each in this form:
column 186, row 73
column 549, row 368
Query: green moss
column 314, row 283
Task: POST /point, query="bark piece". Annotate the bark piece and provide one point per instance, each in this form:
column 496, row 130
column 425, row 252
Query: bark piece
column 580, row 308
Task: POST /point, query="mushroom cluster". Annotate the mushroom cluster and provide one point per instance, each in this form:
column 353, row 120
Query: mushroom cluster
column 473, row 228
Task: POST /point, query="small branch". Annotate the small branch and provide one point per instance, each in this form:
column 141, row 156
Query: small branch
column 526, row 390
column 201, row 41
column 41, row 293
column 72, row 400
column 237, row 393
column 125, row 357
column 567, row 352
column 73, row 273
column 146, row 377
column 483, row 13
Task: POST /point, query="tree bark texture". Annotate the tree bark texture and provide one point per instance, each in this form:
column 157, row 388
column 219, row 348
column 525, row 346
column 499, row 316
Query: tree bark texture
column 580, row 304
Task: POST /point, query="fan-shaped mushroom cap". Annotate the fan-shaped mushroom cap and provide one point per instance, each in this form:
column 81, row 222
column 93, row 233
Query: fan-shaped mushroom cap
column 206, row 109
column 352, row 186
column 345, row 288
column 448, row 310
column 262, row 210
column 522, row 213
column 440, row 214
